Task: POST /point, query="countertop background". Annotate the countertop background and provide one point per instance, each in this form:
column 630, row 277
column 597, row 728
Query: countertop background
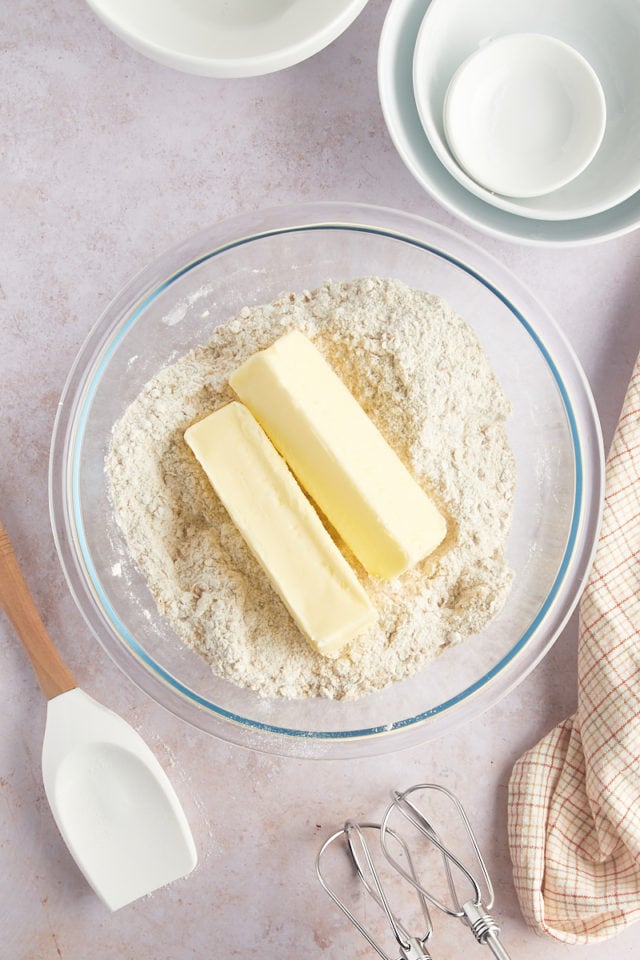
column 106, row 160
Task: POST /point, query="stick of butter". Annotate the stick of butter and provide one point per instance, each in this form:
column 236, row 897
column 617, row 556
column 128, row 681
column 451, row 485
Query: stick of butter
column 281, row 528
column 339, row 456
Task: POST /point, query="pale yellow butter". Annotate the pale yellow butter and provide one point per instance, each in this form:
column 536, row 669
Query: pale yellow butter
column 339, row 456
column 281, row 528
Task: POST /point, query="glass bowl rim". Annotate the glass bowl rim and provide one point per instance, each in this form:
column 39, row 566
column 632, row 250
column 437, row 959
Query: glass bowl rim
column 113, row 326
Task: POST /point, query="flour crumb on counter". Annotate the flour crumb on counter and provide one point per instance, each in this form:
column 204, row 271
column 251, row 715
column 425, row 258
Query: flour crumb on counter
column 423, row 378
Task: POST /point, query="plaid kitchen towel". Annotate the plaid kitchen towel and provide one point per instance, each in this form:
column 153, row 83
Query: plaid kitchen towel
column 574, row 799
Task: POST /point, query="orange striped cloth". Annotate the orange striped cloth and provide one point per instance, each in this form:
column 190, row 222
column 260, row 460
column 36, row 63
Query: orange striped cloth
column 574, row 799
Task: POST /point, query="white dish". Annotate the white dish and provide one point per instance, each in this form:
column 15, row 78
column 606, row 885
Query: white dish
column 606, row 34
column 219, row 38
column 524, row 114
column 395, row 82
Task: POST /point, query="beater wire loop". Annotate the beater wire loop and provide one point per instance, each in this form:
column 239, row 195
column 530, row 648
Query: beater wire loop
column 353, row 837
column 407, row 808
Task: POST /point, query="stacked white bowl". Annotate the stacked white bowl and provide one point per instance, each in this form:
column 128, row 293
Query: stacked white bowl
column 219, row 38
column 522, row 119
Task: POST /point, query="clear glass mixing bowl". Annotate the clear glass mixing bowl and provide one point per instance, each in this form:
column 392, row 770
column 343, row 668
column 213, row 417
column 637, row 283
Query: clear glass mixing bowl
column 554, row 432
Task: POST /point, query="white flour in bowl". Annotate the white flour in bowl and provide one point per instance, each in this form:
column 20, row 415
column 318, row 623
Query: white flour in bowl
column 420, row 373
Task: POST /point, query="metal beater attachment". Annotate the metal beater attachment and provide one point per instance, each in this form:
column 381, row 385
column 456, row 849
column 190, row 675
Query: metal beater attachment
column 408, row 812
column 352, row 838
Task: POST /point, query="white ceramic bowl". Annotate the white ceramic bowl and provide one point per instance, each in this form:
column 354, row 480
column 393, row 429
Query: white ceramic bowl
column 523, row 114
column 606, row 34
column 219, row 38
column 395, row 79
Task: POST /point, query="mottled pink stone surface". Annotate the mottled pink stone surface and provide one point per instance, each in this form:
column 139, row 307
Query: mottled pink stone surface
column 107, row 159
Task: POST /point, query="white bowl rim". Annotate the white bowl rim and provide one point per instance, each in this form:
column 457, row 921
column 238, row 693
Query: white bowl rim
column 228, row 67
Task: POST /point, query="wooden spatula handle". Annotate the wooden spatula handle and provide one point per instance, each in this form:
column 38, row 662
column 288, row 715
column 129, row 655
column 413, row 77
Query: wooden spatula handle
column 53, row 675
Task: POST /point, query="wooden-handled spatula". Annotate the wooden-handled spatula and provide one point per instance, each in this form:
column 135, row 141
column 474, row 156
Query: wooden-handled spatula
column 112, row 801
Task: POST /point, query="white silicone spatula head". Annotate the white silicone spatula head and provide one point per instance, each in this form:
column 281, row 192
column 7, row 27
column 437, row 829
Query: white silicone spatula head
column 112, row 801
